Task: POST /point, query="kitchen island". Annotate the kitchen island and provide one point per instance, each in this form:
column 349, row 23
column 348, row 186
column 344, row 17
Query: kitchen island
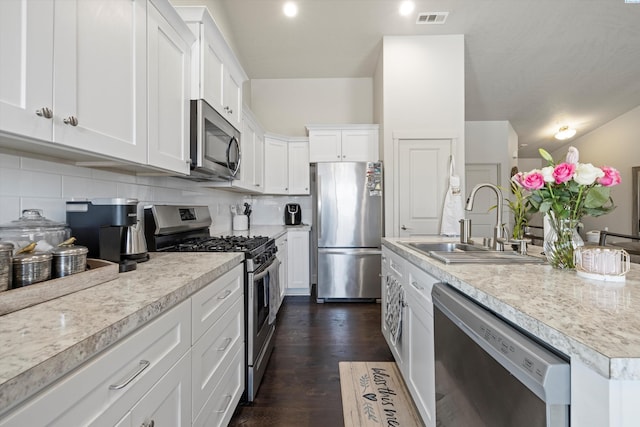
column 595, row 324
column 43, row 343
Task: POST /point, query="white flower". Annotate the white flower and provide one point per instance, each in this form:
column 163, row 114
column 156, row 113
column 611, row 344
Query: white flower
column 572, row 156
column 547, row 174
column 586, row 174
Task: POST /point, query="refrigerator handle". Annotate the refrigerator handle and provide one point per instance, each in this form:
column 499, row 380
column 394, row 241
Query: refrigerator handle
column 319, row 205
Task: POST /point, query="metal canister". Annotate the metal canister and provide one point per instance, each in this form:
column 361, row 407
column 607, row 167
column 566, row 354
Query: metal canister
column 68, row 260
column 6, row 275
column 29, row 268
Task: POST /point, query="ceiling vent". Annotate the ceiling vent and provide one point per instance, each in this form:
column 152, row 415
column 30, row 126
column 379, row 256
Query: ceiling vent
column 432, row 17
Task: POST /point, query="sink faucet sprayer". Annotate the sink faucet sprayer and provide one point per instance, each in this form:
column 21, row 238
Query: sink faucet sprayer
column 498, row 230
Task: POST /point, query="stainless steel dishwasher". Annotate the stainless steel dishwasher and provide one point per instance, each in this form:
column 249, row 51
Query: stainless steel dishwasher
column 490, row 374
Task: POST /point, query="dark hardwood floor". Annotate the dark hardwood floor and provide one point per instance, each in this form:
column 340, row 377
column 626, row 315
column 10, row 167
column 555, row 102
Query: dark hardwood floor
column 301, row 386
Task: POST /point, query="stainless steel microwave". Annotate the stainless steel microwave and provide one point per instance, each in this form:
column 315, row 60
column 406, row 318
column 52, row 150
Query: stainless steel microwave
column 215, row 145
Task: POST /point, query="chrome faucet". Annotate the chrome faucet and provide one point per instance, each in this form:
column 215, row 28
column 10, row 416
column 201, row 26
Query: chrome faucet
column 498, row 230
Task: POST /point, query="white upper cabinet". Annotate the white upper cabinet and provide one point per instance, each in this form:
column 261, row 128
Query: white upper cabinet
column 286, row 165
column 298, row 166
column 99, row 67
column 343, row 143
column 276, row 176
column 26, row 68
column 252, row 154
column 79, row 74
column 169, row 53
column 217, row 74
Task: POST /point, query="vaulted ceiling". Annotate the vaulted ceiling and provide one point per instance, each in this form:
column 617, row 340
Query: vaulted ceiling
column 539, row 64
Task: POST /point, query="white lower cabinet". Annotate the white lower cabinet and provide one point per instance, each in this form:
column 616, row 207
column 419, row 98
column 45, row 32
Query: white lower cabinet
column 106, row 388
column 298, row 262
column 218, row 370
column 414, row 349
column 160, row 375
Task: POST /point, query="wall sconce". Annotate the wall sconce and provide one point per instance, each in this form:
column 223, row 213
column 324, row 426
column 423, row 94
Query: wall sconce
column 565, row 132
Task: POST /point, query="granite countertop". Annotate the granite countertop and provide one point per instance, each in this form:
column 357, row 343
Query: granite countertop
column 273, row 231
column 43, row 342
column 594, row 321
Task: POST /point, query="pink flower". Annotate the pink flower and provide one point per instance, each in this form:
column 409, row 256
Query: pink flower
column 564, row 172
column 611, row 177
column 533, row 180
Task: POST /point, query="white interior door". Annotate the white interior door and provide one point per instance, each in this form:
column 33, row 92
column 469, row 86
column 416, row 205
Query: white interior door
column 482, row 220
column 423, row 170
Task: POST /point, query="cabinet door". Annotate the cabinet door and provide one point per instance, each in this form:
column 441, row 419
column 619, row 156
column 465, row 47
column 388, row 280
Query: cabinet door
column 168, row 403
column 247, row 150
column 298, row 262
column 276, row 175
column 100, row 77
column 232, row 97
column 299, row 168
column 360, row 145
column 325, row 146
column 211, row 74
column 168, row 91
column 26, row 67
column 258, row 161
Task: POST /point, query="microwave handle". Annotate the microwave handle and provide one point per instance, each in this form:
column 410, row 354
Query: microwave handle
column 233, row 142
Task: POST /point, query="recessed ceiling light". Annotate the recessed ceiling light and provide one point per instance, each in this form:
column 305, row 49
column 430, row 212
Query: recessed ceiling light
column 565, row 132
column 290, row 9
column 407, row 7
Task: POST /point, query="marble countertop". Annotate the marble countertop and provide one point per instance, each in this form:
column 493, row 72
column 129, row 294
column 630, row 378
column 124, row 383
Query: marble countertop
column 43, row 342
column 594, row 321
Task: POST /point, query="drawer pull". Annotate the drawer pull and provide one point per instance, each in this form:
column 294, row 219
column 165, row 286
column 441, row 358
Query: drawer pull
column 227, row 341
column 144, row 364
column 226, row 294
column 148, row 424
column 226, row 406
column 415, row 285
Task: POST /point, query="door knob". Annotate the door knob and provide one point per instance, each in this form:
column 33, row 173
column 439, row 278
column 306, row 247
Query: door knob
column 404, row 227
column 71, row 120
column 44, row 112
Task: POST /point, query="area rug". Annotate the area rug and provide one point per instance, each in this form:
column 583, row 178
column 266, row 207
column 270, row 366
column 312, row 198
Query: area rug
column 374, row 394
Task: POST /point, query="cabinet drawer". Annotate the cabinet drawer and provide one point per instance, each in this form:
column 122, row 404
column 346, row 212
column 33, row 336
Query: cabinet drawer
column 211, row 302
column 213, row 352
column 84, row 397
column 220, row 406
column 419, row 286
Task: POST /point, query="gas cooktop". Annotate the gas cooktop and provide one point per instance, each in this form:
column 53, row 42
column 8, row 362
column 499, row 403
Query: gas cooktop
column 218, row 244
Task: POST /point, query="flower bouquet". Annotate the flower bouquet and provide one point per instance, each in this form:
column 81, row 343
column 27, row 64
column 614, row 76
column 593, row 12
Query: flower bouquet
column 566, row 192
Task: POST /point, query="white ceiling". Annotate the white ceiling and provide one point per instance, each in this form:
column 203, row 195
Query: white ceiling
column 536, row 63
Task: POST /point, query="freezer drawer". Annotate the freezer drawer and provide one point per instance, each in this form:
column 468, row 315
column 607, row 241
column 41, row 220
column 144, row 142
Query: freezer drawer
column 348, row 273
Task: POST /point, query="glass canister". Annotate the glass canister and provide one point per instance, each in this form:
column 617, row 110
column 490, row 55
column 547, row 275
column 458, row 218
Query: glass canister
column 33, row 227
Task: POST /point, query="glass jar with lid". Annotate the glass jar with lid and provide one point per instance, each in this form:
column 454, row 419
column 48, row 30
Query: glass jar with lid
column 32, row 226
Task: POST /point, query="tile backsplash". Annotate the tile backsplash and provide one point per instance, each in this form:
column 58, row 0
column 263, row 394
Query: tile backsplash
column 27, row 183
column 30, row 183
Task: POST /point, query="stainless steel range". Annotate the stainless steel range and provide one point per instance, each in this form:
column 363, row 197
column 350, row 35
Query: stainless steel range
column 171, row 228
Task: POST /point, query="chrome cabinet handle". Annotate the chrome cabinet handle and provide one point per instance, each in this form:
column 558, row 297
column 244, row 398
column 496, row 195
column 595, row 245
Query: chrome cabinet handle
column 144, row 364
column 150, row 423
column 71, row 120
column 44, row 112
column 226, row 294
column 415, row 285
column 228, row 401
column 227, row 341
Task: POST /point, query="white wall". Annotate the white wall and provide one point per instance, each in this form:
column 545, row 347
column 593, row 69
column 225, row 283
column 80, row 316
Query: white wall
column 269, row 210
column 286, row 106
column 29, row 183
column 492, row 142
column 614, row 144
column 423, row 92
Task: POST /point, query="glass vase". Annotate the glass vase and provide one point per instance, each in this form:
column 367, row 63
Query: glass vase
column 561, row 239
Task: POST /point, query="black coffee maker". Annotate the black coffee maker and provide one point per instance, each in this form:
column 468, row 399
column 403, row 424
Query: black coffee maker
column 110, row 229
column 292, row 214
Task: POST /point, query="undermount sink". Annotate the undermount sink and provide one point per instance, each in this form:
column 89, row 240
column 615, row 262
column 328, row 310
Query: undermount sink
column 459, row 253
column 444, row 247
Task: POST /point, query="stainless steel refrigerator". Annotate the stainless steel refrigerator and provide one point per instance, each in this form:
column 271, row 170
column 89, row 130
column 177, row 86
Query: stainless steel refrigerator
column 348, row 229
